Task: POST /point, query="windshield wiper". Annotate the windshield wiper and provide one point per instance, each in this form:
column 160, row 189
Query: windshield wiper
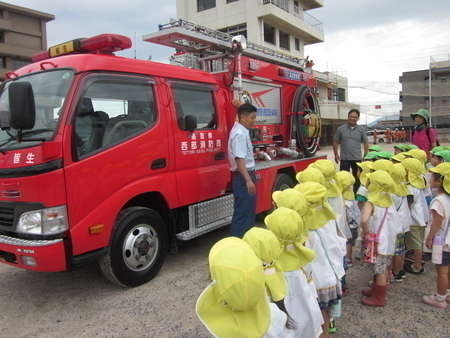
column 35, row 131
column 19, row 137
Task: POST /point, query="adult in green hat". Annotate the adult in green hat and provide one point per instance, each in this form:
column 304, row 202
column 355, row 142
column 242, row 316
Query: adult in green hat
column 423, row 136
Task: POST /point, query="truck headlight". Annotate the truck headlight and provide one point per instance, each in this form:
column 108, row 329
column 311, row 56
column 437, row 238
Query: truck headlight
column 49, row 221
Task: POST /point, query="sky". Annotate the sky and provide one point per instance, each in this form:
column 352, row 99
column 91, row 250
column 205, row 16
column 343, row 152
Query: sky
column 370, row 42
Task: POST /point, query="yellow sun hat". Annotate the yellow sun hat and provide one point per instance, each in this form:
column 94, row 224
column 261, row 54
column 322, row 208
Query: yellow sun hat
column 382, row 164
column 292, row 199
column 268, row 249
column 380, row 186
column 286, row 224
column 365, row 169
column 235, row 304
column 328, row 170
column 443, row 169
column 399, row 157
column 346, row 181
column 319, row 211
column 418, row 154
column 415, row 171
column 398, row 174
column 310, row 174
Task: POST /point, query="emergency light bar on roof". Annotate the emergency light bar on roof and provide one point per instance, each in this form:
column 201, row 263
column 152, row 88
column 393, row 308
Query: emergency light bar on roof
column 101, row 44
column 192, row 38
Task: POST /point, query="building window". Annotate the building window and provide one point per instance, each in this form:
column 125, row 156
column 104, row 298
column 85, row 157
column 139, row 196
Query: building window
column 297, row 44
column 3, row 62
column 340, row 93
column 240, row 29
column 2, row 37
column 2, row 14
column 269, row 33
column 284, row 40
column 205, row 4
column 296, row 7
column 443, row 80
column 228, row 1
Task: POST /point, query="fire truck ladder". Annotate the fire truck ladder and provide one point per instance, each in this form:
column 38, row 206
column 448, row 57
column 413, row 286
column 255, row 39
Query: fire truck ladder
column 211, row 44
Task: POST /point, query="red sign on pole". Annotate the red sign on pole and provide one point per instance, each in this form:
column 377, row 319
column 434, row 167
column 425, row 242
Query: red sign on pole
column 378, row 106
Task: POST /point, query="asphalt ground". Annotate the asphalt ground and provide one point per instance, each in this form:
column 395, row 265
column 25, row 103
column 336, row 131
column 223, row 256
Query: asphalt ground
column 81, row 303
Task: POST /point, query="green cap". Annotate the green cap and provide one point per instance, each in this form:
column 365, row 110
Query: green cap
column 372, row 155
column 385, row 155
column 375, row 148
column 444, row 154
column 422, row 112
column 437, row 149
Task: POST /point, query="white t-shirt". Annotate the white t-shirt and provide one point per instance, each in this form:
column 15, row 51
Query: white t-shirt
column 441, row 204
column 240, row 146
column 404, row 214
column 385, row 219
column 353, row 214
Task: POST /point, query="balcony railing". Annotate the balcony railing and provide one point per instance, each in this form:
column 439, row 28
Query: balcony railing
column 287, row 6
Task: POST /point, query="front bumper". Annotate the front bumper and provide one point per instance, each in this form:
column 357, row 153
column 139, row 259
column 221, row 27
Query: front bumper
column 38, row 255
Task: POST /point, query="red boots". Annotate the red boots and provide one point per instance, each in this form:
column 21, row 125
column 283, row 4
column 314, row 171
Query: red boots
column 377, row 296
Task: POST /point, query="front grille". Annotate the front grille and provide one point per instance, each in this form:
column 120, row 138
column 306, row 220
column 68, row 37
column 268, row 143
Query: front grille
column 6, row 215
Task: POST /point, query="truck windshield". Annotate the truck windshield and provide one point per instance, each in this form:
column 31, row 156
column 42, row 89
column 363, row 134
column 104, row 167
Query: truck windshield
column 49, row 89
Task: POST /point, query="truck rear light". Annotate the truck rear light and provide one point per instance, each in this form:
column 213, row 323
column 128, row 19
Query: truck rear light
column 28, row 260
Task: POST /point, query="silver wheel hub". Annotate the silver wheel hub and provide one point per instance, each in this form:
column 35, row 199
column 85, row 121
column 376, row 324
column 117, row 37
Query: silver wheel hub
column 140, row 247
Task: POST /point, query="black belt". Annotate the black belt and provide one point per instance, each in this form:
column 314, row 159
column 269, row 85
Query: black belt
column 250, row 171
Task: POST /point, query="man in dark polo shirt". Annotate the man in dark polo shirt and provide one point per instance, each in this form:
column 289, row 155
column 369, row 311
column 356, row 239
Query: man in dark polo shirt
column 350, row 136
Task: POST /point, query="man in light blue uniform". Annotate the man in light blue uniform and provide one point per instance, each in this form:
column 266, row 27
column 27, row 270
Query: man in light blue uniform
column 242, row 166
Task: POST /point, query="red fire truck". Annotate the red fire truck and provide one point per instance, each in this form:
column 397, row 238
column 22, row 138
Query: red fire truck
column 114, row 159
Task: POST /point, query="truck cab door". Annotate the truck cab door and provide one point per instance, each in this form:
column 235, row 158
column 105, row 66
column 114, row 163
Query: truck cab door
column 200, row 141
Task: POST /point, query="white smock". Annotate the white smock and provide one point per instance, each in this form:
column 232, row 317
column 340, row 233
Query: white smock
column 404, row 214
column 277, row 328
column 328, row 267
column 419, row 208
column 301, row 304
column 388, row 231
column 338, row 206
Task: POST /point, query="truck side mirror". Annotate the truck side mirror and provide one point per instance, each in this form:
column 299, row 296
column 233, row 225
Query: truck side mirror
column 190, row 122
column 21, row 105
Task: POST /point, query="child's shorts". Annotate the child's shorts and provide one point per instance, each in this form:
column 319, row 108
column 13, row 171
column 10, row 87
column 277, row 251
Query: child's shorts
column 414, row 237
column 352, row 240
column 381, row 264
column 445, row 258
column 400, row 248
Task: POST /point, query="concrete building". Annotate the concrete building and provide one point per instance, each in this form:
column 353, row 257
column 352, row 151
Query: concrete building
column 280, row 24
column 22, row 34
column 415, row 92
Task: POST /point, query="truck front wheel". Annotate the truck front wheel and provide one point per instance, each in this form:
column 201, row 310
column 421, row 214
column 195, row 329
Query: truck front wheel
column 138, row 248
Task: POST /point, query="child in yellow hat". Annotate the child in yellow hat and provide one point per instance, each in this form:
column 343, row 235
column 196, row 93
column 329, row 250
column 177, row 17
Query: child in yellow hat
column 438, row 235
column 235, row 304
column 400, row 198
column 301, row 302
column 346, row 181
column 327, row 268
column 418, row 187
column 378, row 223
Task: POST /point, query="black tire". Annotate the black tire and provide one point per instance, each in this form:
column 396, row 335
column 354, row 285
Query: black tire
column 282, row 181
column 138, row 248
column 381, row 140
